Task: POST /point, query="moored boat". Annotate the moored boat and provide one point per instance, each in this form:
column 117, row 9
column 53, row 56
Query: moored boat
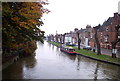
column 68, row 50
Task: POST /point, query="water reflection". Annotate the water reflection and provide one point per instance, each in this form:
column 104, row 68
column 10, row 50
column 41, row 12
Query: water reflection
column 49, row 44
column 51, row 63
column 12, row 71
column 70, row 57
column 15, row 71
column 30, row 63
column 57, row 49
column 52, row 46
column 96, row 71
column 78, row 62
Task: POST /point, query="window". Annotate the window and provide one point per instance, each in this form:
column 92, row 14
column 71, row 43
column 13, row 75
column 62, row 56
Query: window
column 84, row 35
column 91, row 35
column 106, row 38
column 101, row 34
column 107, row 28
column 100, row 40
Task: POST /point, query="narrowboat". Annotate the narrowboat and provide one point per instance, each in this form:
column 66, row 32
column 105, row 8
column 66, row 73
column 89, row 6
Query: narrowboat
column 68, row 50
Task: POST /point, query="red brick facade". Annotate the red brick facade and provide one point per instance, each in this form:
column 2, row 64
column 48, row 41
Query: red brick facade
column 107, row 33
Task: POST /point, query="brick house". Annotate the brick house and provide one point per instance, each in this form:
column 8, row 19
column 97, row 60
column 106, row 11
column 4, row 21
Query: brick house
column 84, row 35
column 107, row 32
column 74, row 36
column 92, row 42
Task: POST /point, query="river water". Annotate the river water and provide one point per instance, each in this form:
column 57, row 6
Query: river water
column 50, row 63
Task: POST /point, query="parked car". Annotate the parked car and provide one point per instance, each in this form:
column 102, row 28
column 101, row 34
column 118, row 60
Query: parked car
column 70, row 44
column 87, row 48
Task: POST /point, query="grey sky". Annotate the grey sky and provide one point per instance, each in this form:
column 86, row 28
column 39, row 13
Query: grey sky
column 66, row 15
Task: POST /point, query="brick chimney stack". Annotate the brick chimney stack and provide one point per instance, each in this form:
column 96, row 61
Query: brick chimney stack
column 115, row 15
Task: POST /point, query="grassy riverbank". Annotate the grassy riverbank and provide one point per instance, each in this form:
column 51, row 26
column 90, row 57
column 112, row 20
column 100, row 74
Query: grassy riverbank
column 56, row 44
column 91, row 54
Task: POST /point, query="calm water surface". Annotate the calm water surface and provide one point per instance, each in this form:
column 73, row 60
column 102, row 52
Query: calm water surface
column 51, row 63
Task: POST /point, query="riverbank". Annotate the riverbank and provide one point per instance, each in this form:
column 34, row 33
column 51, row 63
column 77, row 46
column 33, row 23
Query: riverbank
column 92, row 55
column 12, row 55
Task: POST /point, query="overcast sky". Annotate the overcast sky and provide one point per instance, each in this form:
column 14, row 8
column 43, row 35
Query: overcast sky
column 66, row 15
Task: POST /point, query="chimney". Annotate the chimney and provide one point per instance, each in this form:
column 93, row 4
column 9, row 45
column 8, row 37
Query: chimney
column 75, row 29
column 115, row 15
column 88, row 26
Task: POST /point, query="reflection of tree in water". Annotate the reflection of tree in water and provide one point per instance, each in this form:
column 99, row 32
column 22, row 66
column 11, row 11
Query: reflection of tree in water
column 49, row 44
column 71, row 57
column 111, row 71
column 39, row 43
column 31, row 62
column 57, row 49
column 78, row 62
column 96, row 71
column 52, row 46
column 11, row 71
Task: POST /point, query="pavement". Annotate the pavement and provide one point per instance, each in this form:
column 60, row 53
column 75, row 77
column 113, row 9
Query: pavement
column 106, row 51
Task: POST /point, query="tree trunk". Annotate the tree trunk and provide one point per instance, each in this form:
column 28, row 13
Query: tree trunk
column 78, row 42
column 115, row 42
column 63, row 38
column 113, row 48
column 97, row 43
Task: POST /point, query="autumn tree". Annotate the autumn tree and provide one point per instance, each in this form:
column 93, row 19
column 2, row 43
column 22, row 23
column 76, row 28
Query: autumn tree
column 21, row 22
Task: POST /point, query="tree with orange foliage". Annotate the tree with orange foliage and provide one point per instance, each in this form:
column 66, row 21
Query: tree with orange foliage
column 21, row 22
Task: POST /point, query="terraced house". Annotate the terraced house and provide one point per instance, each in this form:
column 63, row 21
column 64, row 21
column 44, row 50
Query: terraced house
column 107, row 32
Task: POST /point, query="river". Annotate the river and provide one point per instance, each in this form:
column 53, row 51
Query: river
column 50, row 63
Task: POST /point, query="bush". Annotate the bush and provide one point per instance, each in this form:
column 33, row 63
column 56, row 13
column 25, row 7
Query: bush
column 29, row 47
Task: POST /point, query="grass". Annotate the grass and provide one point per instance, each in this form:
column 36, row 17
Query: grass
column 56, row 44
column 91, row 54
